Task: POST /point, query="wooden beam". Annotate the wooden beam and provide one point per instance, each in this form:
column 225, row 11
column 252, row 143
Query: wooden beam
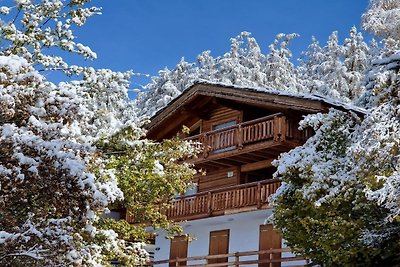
column 256, row 165
column 253, row 156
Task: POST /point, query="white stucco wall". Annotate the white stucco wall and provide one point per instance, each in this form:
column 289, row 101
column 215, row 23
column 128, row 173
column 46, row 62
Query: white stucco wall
column 243, row 235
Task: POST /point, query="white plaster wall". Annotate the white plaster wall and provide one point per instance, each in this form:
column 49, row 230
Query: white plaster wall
column 243, row 235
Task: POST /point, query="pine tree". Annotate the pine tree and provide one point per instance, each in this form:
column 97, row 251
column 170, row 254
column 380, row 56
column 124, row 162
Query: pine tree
column 242, row 63
column 382, row 19
column 333, row 72
column 279, row 71
column 207, row 68
column 308, row 69
column 356, row 60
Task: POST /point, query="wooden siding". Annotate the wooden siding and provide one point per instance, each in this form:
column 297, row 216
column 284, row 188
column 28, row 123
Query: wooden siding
column 218, row 179
column 221, row 115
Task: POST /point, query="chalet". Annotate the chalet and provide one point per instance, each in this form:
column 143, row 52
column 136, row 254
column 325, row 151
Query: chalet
column 242, row 131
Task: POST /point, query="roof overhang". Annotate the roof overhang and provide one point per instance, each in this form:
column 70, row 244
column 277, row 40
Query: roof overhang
column 207, row 93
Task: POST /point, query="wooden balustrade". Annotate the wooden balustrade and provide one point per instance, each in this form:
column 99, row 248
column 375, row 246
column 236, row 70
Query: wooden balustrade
column 267, row 258
column 234, row 197
column 275, row 127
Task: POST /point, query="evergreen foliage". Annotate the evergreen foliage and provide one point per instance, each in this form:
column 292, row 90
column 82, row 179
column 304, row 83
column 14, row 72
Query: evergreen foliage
column 334, row 70
column 339, row 201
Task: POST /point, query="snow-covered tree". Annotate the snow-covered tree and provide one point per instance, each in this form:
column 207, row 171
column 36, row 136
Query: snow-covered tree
column 341, row 189
column 322, row 208
column 56, row 173
column 357, row 59
column 165, row 87
column 332, row 72
column 243, row 65
column 308, row 69
column 382, row 18
column 207, row 66
column 336, row 70
column 279, row 71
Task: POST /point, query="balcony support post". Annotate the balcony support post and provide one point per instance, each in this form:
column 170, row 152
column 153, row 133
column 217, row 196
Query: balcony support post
column 209, row 204
column 258, row 196
column 205, row 145
column 283, row 128
column 237, row 259
column 240, row 137
column 279, row 128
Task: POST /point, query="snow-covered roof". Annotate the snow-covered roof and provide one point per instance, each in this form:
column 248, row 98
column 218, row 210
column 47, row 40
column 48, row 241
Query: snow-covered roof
column 326, row 100
column 261, row 97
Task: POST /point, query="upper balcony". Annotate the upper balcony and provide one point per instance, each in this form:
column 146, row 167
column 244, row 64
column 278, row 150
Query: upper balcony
column 250, row 141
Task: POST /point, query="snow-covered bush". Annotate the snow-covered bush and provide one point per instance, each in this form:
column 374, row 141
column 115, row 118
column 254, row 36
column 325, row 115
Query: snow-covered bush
column 64, row 147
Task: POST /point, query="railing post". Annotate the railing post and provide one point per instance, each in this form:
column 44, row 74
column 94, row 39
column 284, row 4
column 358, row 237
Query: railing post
column 205, row 145
column 237, row 259
column 279, row 128
column 209, row 210
column 258, row 195
column 276, row 129
column 283, row 128
column 240, row 137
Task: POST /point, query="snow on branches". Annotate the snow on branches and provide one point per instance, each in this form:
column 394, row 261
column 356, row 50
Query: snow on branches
column 343, row 184
column 56, row 179
column 334, row 70
column 382, row 18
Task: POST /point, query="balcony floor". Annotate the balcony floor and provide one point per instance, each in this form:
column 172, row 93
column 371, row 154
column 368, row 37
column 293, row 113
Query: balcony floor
column 250, row 153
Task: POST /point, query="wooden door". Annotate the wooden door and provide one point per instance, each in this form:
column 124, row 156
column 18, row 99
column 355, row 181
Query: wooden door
column 178, row 249
column 219, row 244
column 269, row 239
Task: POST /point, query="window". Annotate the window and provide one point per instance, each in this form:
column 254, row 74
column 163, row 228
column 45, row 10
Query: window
column 224, row 125
column 191, row 190
column 257, row 175
column 223, row 142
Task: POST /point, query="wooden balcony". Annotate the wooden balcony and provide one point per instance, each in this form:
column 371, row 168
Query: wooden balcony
column 263, row 138
column 263, row 258
column 222, row 201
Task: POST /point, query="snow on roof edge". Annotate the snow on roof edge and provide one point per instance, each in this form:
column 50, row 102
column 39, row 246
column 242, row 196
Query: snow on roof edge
column 317, row 97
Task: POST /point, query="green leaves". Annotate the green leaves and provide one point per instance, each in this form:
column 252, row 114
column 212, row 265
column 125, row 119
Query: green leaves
column 323, row 209
column 150, row 175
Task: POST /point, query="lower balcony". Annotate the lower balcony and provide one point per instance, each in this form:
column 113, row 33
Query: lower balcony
column 234, row 199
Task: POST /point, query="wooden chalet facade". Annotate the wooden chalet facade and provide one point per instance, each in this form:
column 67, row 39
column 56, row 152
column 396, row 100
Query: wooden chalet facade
column 242, row 131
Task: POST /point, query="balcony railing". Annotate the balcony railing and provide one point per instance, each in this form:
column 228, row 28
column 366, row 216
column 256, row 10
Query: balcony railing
column 264, row 258
column 216, row 202
column 274, row 127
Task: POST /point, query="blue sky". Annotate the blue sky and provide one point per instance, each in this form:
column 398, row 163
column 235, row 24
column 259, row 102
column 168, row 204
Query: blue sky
column 148, row 35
